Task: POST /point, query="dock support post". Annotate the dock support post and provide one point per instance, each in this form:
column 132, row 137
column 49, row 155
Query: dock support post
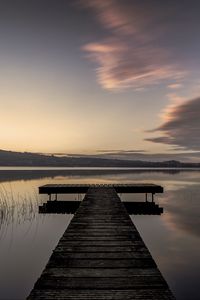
column 152, row 197
column 146, row 200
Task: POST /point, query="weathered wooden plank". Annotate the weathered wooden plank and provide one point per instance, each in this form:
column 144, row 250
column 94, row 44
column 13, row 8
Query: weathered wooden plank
column 93, row 238
column 107, row 228
column 102, row 248
column 100, row 272
column 88, row 294
column 82, row 243
column 102, row 263
column 99, row 235
column 105, row 231
column 103, row 221
column 122, row 283
column 101, row 255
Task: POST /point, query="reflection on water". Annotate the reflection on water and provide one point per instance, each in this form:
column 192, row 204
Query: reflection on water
column 27, row 238
column 16, row 209
column 70, row 207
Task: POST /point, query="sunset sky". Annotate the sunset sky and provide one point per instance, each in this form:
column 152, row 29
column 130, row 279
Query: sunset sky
column 102, row 77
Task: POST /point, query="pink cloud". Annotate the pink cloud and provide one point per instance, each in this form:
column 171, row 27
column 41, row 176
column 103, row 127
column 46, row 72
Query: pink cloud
column 111, row 14
column 127, row 58
column 122, row 66
column 174, row 86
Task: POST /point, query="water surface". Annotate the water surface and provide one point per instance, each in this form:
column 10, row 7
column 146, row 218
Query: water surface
column 27, row 238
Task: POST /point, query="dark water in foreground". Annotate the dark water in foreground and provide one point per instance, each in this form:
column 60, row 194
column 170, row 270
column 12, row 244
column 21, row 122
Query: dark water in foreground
column 27, row 238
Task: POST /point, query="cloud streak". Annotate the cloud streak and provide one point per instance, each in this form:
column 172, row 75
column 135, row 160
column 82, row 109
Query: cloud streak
column 128, row 57
column 182, row 126
column 189, row 156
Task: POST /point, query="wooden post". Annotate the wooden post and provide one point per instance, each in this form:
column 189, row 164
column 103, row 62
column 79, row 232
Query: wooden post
column 146, row 197
column 152, row 197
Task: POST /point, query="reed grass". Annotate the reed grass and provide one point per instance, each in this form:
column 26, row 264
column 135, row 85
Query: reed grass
column 16, row 209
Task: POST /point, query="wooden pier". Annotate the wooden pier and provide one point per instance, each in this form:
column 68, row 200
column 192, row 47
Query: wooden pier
column 83, row 188
column 101, row 256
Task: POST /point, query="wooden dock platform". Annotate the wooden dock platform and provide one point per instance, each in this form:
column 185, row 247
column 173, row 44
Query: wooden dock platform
column 83, row 188
column 101, row 256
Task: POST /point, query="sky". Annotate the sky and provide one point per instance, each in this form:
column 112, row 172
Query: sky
column 107, row 78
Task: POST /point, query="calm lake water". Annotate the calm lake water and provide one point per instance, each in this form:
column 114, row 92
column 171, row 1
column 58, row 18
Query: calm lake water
column 27, row 238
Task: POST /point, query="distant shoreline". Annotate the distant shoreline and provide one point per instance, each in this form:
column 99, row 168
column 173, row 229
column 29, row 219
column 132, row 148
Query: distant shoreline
column 10, row 160
column 23, row 168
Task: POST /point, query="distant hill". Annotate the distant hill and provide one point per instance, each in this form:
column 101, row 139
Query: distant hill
column 11, row 158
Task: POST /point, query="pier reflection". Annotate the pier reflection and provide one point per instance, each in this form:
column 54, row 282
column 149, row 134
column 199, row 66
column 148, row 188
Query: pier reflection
column 70, row 207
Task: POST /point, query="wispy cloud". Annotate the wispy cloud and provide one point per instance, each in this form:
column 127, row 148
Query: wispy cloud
column 128, row 57
column 113, row 15
column 182, row 126
column 175, row 86
column 174, row 100
column 118, row 151
column 143, row 155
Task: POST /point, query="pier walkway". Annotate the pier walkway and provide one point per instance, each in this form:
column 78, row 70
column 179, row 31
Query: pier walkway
column 101, row 256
